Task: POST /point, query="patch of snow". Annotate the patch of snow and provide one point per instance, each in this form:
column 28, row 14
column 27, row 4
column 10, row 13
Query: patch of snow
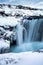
column 1, row 9
column 24, row 58
column 11, row 21
column 7, row 10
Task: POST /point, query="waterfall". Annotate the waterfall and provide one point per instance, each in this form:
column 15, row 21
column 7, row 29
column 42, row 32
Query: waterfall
column 31, row 27
column 35, row 34
column 24, row 34
column 29, row 34
column 19, row 31
column 42, row 37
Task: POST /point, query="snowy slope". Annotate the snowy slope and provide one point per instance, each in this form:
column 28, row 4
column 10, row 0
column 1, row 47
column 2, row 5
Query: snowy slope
column 11, row 21
column 11, row 10
column 26, row 58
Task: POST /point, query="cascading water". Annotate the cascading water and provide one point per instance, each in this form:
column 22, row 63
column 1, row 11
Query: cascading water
column 21, row 34
column 31, row 27
column 19, row 31
column 42, row 37
column 24, row 35
column 28, row 37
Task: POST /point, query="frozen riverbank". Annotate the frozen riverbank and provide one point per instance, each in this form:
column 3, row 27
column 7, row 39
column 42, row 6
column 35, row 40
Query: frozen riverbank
column 25, row 58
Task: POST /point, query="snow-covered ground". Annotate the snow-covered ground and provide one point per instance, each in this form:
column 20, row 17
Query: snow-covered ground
column 11, row 21
column 15, row 10
column 25, row 58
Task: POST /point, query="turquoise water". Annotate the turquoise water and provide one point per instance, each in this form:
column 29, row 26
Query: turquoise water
column 32, row 46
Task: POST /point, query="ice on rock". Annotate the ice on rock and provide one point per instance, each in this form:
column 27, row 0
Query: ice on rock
column 7, row 28
column 4, row 46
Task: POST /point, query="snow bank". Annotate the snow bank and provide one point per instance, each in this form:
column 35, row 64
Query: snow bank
column 25, row 58
column 12, row 21
column 13, row 11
